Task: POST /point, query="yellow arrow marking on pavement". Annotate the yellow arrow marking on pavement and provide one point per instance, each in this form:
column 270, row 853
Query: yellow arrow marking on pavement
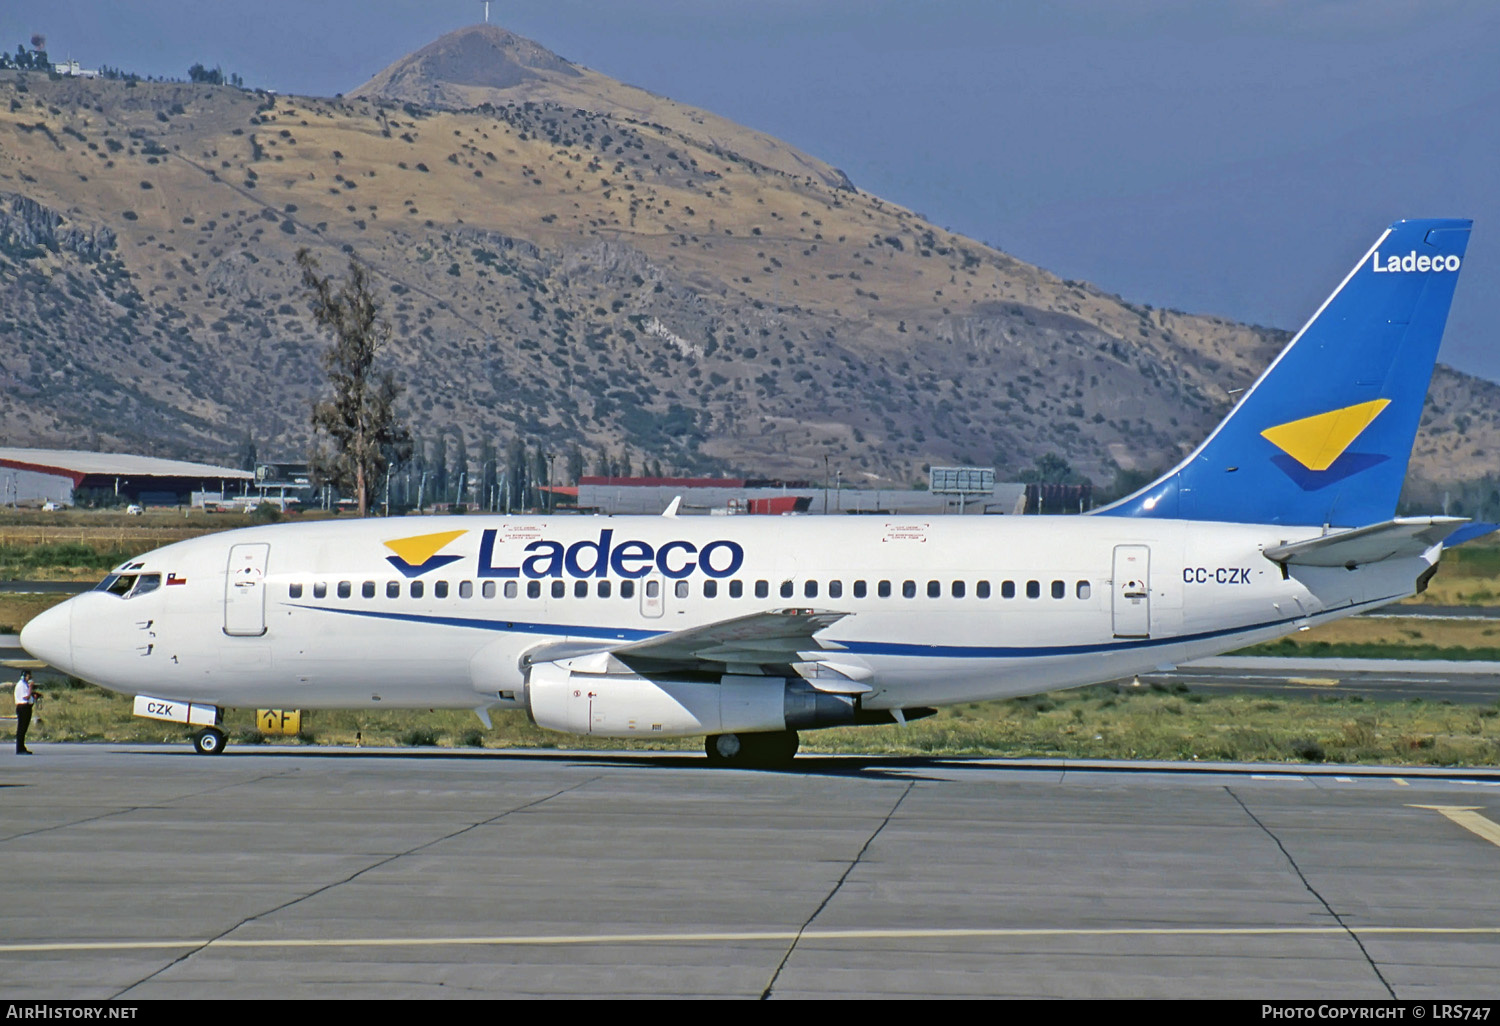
column 1468, row 817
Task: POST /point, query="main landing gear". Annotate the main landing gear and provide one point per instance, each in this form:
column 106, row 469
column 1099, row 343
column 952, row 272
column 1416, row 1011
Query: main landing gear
column 771, row 750
column 210, row 741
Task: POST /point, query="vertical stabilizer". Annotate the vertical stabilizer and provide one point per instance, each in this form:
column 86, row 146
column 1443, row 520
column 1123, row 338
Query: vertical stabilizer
column 1325, row 434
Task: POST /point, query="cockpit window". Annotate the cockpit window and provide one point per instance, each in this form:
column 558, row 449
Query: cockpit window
column 117, row 584
column 145, row 583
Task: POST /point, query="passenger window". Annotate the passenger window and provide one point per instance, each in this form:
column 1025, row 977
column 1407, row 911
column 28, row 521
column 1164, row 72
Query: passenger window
column 1008, row 589
column 934, row 589
column 440, row 589
column 883, row 589
column 627, row 589
column 653, row 589
column 533, row 589
column 682, row 589
column 736, row 589
column 1033, row 589
column 835, row 589
column 762, row 589
column 345, row 589
column 786, row 589
column 982, row 589
column 559, row 589
column 810, row 589
column 1059, row 589
column 392, row 589
column 710, row 589
column 908, row 589
column 294, row 591
column 859, row 589
column 580, row 589
column 1083, row 589
column 512, row 589
column 367, row 590
column 604, row 589
column 958, row 589
column 488, row 591
column 465, row 589
column 418, row 589
column 320, row 590
column 145, row 584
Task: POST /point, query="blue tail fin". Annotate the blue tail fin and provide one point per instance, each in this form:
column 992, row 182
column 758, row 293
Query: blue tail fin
column 1325, row 434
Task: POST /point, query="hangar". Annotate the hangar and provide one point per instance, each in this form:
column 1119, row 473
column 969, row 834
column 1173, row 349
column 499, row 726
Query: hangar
column 651, row 495
column 74, row 477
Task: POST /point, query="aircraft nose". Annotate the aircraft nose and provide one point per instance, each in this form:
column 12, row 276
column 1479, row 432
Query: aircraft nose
column 49, row 637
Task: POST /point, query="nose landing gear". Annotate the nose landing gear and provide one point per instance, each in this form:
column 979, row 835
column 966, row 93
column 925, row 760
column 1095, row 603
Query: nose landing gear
column 210, row 741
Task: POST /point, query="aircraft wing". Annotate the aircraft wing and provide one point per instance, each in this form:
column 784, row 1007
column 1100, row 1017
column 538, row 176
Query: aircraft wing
column 770, row 637
column 1402, row 537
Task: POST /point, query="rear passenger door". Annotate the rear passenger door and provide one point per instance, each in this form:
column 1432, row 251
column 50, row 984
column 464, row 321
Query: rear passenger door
column 1132, row 591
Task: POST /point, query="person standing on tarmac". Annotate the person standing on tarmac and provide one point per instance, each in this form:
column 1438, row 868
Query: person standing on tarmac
column 25, row 698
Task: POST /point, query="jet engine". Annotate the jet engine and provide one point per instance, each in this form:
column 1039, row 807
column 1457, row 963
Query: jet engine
column 561, row 696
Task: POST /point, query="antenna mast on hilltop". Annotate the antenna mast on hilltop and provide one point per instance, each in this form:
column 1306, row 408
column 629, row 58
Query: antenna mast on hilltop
column 486, row 12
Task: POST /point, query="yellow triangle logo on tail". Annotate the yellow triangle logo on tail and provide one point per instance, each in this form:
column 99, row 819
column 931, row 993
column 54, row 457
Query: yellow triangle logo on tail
column 1315, row 442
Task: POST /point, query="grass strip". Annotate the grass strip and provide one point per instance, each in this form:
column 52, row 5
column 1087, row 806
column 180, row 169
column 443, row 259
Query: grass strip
column 1114, row 721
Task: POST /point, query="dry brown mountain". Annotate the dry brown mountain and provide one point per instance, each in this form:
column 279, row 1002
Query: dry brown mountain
column 486, row 64
column 566, row 266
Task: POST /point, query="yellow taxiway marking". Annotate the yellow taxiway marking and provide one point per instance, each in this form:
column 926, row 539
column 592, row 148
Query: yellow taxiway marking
column 1468, row 817
column 778, row 936
column 1317, row 682
column 1399, row 782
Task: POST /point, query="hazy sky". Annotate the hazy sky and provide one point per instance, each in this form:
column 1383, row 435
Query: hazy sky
column 1232, row 157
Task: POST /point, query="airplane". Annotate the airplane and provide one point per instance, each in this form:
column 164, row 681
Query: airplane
column 747, row 630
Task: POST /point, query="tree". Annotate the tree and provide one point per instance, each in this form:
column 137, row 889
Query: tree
column 1052, row 469
column 439, row 468
column 488, row 477
column 360, row 419
column 212, row 76
column 248, row 455
column 461, row 480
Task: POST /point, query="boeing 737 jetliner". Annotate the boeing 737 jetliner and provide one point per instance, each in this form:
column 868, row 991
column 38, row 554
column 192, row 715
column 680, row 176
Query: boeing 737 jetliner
column 749, row 629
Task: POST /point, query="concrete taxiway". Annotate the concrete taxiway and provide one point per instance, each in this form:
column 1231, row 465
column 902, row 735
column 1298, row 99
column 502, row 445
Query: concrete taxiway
column 1460, row 681
column 141, row 872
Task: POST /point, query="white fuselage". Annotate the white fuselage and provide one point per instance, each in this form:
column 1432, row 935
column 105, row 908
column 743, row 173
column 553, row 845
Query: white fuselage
column 939, row 610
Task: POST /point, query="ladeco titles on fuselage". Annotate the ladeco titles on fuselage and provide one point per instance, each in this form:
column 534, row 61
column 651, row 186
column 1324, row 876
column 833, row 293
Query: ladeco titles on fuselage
column 587, row 558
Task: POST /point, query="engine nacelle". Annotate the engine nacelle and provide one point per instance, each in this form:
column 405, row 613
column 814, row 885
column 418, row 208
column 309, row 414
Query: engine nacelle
column 628, row 705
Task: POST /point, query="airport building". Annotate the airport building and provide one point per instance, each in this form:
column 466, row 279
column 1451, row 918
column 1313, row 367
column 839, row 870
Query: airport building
column 72, row 477
column 728, row 496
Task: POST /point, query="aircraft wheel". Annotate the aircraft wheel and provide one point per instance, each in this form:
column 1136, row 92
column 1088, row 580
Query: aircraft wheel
column 724, row 749
column 209, row 741
column 770, row 750
column 777, row 750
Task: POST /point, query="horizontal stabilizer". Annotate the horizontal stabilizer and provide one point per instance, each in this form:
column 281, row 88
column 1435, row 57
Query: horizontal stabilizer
column 1467, row 533
column 1394, row 539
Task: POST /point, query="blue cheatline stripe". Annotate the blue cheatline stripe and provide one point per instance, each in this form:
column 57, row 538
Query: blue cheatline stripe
column 505, row 626
column 887, row 648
